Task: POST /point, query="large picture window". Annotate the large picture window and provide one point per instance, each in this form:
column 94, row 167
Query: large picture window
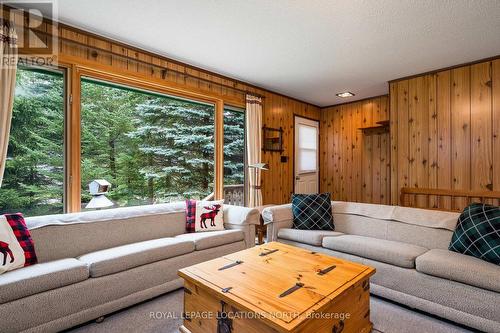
column 34, row 172
column 152, row 148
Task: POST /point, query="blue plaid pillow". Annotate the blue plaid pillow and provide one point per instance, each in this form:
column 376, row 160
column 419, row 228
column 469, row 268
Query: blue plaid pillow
column 312, row 212
column 478, row 233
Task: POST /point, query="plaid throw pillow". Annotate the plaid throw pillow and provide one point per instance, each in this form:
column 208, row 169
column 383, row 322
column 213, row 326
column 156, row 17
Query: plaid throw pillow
column 190, row 215
column 478, row 233
column 312, row 212
column 16, row 245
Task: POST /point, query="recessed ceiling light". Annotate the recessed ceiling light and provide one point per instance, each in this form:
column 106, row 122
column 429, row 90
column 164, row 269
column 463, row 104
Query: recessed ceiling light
column 345, row 94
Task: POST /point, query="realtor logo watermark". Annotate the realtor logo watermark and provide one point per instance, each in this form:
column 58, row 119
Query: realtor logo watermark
column 36, row 41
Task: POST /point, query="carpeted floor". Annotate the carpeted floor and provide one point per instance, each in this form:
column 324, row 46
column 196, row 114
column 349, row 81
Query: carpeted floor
column 162, row 315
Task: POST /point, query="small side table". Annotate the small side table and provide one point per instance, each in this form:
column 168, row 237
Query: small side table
column 261, row 228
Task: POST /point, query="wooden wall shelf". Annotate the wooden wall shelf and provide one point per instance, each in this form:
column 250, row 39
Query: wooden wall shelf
column 383, row 122
column 382, row 125
column 272, row 139
column 379, row 124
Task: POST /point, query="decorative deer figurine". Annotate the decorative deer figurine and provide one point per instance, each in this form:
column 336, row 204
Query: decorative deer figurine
column 213, row 211
column 5, row 250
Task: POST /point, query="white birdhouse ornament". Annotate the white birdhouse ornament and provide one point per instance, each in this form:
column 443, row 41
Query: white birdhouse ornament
column 99, row 186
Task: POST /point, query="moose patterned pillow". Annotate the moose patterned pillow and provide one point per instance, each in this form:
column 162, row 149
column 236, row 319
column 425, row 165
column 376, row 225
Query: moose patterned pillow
column 204, row 215
column 16, row 246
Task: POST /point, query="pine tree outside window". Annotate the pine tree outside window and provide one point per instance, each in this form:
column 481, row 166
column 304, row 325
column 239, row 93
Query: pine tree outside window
column 234, row 156
column 152, row 148
column 34, row 174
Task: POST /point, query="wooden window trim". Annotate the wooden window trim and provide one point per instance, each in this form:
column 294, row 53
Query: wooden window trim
column 73, row 139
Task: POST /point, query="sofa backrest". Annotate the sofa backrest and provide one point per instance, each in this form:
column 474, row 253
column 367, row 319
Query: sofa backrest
column 428, row 228
column 71, row 235
column 392, row 230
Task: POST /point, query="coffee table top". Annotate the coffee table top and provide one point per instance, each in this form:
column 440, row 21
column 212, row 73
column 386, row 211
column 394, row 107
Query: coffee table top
column 281, row 283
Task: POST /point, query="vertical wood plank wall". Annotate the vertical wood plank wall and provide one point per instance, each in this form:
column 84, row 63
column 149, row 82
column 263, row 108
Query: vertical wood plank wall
column 278, row 110
column 355, row 163
column 444, row 127
column 445, row 132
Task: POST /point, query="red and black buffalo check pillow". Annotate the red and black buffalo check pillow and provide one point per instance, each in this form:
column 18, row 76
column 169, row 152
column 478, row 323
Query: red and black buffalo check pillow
column 190, row 215
column 16, row 246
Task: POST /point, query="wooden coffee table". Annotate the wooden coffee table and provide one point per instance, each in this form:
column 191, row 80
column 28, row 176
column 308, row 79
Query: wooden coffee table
column 276, row 288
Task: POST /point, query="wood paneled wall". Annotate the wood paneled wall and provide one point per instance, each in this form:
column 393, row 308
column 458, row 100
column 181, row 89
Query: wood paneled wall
column 445, row 132
column 80, row 49
column 355, row 151
column 278, row 181
column 444, row 126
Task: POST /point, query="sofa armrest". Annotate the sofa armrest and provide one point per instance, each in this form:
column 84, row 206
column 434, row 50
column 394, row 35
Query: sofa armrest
column 276, row 218
column 279, row 213
column 237, row 215
column 244, row 219
column 248, row 230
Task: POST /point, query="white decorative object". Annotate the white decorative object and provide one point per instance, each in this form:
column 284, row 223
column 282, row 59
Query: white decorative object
column 99, row 186
column 98, row 189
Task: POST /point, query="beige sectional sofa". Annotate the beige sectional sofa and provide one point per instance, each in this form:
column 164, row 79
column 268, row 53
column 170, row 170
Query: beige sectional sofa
column 94, row 263
column 408, row 247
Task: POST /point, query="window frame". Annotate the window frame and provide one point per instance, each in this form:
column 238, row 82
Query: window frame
column 73, row 136
column 147, row 92
column 315, row 150
column 72, row 76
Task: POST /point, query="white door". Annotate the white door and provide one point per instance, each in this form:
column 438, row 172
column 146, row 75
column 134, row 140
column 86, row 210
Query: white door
column 306, row 155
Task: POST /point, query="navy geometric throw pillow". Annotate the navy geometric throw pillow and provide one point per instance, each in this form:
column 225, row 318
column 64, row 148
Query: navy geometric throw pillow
column 312, row 212
column 478, row 233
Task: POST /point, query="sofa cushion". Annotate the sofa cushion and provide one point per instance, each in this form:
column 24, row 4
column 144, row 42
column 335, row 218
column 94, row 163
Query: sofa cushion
column 209, row 239
column 478, row 233
column 41, row 277
column 312, row 212
column 312, row 237
column 124, row 257
column 391, row 252
column 461, row 268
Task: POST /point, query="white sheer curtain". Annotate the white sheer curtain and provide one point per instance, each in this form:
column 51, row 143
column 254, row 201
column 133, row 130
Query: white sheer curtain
column 254, row 147
column 8, row 54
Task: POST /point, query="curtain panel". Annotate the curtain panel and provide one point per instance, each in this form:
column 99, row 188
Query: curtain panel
column 254, row 147
column 8, row 53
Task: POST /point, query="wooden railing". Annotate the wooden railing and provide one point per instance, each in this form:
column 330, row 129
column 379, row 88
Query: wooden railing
column 451, row 200
column 233, row 195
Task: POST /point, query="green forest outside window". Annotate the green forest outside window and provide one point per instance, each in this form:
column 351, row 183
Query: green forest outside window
column 234, row 156
column 152, row 148
column 34, row 173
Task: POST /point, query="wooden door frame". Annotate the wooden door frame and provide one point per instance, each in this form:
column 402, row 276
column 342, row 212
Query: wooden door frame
column 295, row 116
